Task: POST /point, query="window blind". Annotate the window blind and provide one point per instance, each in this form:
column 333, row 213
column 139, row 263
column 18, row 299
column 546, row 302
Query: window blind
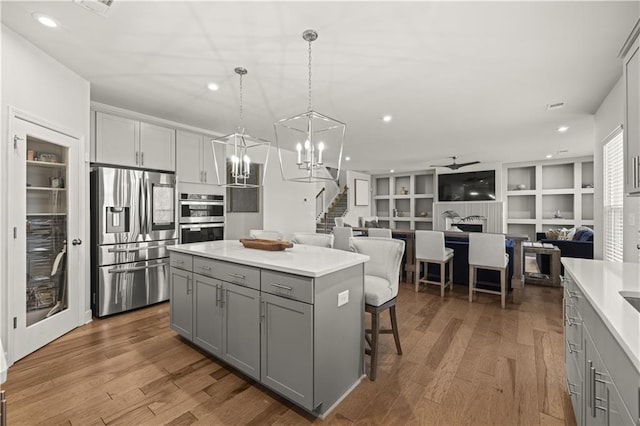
column 613, row 174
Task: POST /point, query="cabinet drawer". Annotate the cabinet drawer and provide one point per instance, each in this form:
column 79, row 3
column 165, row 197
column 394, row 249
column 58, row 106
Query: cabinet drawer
column 181, row 261
column 246, row 276
column 286, row 285
column 575, row 388
column 573, row 294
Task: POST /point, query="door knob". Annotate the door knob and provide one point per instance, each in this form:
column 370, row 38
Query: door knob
column 76, row 241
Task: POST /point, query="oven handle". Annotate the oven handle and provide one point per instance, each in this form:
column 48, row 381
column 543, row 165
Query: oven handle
column 202, row 203
column 137, row 268
column 202, row 225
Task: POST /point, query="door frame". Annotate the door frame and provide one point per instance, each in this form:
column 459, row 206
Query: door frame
column 6, row 327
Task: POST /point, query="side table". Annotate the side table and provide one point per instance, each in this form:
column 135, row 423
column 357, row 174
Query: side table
column 553, row 279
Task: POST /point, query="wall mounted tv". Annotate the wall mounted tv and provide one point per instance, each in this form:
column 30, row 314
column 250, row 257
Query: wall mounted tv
column 470, row 186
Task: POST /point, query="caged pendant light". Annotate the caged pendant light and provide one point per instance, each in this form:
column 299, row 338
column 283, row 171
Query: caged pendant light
column 236, row 154
column 315, row 140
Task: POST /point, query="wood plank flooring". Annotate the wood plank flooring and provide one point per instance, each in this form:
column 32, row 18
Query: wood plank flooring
column 463, row 364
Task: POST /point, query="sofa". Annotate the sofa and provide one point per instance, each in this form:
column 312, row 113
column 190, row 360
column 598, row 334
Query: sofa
column 581, row 247
column 486, row 279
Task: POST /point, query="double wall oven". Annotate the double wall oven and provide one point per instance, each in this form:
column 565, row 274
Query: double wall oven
column 201, row 217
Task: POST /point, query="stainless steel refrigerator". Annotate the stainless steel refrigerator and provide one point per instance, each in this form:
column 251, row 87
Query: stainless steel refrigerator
column 133, row 221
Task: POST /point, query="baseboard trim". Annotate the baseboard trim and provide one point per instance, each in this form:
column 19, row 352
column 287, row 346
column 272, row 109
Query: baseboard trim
column 87, row 317
column 344, row 395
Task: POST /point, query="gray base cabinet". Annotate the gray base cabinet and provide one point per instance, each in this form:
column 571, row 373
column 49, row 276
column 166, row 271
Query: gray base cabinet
column 181, row 310
column 287, row 364
column 241, row 329
column 603, row 385
column 286, row 331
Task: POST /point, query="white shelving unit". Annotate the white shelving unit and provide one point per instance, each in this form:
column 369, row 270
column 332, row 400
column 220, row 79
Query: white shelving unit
column 409, row 195
column 552, row 194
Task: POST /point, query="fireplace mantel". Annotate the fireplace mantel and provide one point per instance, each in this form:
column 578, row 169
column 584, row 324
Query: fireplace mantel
column 493, row 211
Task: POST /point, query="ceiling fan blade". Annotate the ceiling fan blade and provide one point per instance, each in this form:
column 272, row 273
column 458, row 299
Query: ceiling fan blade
column 466, row 164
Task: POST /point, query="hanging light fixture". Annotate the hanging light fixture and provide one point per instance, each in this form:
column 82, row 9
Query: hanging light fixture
column 237, row 154
column 310, row 142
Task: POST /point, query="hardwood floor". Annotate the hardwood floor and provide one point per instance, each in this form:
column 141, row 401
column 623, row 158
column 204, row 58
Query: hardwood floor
column 463, row 364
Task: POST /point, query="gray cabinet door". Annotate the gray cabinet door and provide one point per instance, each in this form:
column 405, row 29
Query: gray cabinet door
column 241, row 328
column 207, row 315
column 181, row 302
column 287, row 362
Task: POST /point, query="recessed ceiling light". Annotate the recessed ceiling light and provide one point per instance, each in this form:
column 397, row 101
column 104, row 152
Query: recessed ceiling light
column 386, row 118
column 391, row 171
column 45, row 20
column 213, row 87
column 563, row 129
column 347, row 158
column 549, row 156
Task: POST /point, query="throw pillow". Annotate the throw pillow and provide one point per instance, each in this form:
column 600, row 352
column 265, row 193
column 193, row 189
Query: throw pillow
column 552, row 234
column 583, row 234
column 571, row 234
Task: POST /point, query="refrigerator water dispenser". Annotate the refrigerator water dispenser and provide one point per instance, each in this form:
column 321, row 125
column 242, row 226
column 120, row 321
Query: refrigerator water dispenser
column 117, row 219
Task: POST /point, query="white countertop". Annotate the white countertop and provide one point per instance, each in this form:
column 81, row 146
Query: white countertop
column 308, row 261
column 600, row 282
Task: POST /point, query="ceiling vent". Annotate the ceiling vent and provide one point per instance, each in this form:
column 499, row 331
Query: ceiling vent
column 99, row 7
column 557, row 105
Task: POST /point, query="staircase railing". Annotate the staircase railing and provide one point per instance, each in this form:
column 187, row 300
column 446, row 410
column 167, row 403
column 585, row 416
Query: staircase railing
column 319, row 203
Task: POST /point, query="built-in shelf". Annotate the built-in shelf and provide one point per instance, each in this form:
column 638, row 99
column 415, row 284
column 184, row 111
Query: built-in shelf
column 46, row 214
column 389, row 200
column 538, row 191
column 45, row 164
column 44, row 188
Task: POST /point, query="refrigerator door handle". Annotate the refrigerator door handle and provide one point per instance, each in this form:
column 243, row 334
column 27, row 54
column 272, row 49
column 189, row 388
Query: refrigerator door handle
column 137, row 268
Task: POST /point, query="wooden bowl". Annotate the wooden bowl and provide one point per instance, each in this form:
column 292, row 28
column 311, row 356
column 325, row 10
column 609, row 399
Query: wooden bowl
column 270, row 245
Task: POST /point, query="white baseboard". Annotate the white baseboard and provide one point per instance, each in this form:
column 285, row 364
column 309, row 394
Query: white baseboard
column 88, row 317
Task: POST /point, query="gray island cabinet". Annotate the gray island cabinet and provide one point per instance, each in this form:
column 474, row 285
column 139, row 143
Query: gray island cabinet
column 292, row 320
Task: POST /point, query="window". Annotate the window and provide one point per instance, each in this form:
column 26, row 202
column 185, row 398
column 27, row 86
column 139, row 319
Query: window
column 613, row 197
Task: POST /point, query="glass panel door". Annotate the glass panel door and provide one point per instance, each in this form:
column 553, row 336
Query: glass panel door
column 44, row 300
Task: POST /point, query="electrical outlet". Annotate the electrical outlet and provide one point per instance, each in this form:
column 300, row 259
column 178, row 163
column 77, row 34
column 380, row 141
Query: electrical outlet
column 343, row 298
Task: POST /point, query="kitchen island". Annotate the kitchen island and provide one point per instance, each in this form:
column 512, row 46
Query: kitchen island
column 292, row 320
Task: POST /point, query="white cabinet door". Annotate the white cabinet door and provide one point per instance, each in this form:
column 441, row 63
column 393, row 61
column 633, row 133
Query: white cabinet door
column 157, row 147
column 45, row 253
column 189, row 148
column 632, row 119
column 209, row 164
column 117, row 140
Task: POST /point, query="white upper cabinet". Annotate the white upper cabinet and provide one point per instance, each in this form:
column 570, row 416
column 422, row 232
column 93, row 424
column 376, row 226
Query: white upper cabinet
column 196, row 163
column 122, row 141
column 631, row 61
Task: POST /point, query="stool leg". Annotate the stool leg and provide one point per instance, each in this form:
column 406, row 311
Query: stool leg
column 451, row 274
column 503, row 286
column 417, row 280
column 394, row 328
column 442, row 278
column 471, row 268
column 375, row 331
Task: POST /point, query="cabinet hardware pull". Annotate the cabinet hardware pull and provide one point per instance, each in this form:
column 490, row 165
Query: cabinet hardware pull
column 188, row 284
column 201, row 176
column 571, row 321
column 241, row 277
column 222, row 296
column 571, row 392
column 592, row 377
column 262, row 310
column 142, row 158
column 137, row 154
column 208, row 268
column 217, row 294
column 282, row 286
column 570, row 347
column 205, row 177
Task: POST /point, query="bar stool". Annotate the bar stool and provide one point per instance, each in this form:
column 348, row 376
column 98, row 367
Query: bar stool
column 261, row 234
column 430, row 249
column 486, row 251
column 341, row 235
column 313, row 239
column 379, row 232
column 380, row 289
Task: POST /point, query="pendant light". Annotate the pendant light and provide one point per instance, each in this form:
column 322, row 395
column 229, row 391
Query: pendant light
column 237, row 153
column 310, row 142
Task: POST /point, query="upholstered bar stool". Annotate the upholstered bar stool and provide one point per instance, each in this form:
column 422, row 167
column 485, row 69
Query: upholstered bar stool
column 313, row 239
column 379, row 232
column 380, row 289
column 341, row 236
column 486, row 251
column 430, row 249
column 339, row 221
column 261, row 234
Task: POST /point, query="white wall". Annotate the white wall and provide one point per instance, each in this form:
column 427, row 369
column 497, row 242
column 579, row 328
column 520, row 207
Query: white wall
column 35, row 83
column 288, row 207
column 354, row 211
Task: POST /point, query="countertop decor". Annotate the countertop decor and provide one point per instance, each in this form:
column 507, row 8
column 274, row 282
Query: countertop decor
column 270, row 245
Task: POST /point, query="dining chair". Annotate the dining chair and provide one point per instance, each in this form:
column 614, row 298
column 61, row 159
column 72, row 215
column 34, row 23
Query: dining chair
column 341, row 235
column 379, row 232
column 430, row 249
column 487, row 251
column 261, row 234
column 380, row 289
column 339, row 221
column 313, row 239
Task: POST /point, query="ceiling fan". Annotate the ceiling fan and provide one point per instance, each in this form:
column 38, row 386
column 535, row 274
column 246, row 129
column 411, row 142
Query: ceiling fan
column 454, row 165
